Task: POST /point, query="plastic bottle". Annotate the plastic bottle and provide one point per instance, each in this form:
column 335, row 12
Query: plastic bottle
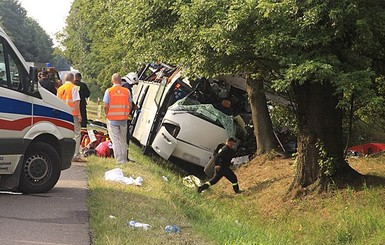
column 136, row 224
column 165, row 178
column 172, row 229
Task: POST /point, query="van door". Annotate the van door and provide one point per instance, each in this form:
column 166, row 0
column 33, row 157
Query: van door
column 164, row 143
column 15, row 109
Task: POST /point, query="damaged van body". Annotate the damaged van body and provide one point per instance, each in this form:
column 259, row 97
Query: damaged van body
column 188, row 119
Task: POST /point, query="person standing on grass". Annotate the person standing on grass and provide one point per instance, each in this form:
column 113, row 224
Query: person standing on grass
column 69, row 93
column 84, row 94
column 222, row 167
column 117, row 108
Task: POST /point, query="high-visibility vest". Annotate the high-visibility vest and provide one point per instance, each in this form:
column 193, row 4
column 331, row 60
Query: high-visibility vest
column 64, row 92
column 119, row 107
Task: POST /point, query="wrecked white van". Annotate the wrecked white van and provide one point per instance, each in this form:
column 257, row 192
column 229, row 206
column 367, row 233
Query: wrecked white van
column 187, row 120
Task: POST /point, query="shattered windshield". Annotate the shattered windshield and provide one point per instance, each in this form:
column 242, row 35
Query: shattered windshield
column 206, row 112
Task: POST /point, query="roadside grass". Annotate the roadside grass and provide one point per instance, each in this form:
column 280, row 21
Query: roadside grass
column 150, row 203
column 217, row 216
column 260, row 215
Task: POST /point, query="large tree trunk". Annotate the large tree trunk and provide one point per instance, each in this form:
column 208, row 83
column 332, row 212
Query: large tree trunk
column 263, row 129
column 320, row 146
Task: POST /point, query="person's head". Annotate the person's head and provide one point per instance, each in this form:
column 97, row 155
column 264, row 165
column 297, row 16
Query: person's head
column 116, row 79
column 230, row 142
column 44, row 73
column 69, row 77
column 78, row 76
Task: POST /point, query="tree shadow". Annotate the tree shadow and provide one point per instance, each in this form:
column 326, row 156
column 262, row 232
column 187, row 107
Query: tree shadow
column 362, row 181
column 374, row 180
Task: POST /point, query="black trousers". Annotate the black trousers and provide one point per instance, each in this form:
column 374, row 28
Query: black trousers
column 224, row 172
column 83, row 112
column 128, row 136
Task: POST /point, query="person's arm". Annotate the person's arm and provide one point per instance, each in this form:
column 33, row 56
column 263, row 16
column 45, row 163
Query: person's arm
column 106, row 101
column 76, row 99
column 219, row 160
column 77, row 109
column 87, row 92
column 106, row 108
column 129, row 100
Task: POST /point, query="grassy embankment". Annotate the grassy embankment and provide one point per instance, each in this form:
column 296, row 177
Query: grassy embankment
column 259, row 215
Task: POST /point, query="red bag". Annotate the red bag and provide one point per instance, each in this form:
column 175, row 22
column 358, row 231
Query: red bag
column 104, row 149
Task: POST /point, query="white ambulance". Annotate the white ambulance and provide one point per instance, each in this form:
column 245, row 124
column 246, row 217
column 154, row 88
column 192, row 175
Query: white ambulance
column 36, row 128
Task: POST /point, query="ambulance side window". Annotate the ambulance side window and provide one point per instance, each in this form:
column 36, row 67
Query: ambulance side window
column 3, row 75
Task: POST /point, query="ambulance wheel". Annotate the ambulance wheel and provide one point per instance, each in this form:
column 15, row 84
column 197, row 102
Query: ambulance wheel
column 41, row 169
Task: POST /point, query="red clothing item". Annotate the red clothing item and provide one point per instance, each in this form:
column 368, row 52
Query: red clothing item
column 103, row 150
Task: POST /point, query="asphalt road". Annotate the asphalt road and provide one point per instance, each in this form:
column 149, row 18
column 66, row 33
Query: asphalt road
column 58, row 217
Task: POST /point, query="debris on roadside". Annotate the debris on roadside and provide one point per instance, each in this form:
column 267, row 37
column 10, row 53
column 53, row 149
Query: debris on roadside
column 191, row 181
column 117, row 175
column 172, row 229
column 136, row 224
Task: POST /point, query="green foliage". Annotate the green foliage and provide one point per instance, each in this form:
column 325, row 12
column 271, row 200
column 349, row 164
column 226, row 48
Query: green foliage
column 31, row 40
column 325, row 161
column 59, row 62
column 290, row 42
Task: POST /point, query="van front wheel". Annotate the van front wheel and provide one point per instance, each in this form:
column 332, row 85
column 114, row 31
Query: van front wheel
column 41, row 169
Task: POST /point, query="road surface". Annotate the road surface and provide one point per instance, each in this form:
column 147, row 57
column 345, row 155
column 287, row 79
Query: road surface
column 58, row 217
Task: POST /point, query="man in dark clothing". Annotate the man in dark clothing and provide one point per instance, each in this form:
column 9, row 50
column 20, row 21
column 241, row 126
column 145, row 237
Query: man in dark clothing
column 222, row 167
column 84, row 93
column 128, row 81
column 47, row 83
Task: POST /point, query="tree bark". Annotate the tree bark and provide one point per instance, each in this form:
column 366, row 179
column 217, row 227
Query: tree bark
column 319, row 120
column 263, row 129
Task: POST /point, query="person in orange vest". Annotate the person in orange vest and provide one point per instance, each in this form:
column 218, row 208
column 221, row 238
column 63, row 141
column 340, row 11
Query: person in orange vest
column 69, row 93
column 117, row 107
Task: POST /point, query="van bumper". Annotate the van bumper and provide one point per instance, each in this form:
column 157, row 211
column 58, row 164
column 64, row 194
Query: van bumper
column 67, row 149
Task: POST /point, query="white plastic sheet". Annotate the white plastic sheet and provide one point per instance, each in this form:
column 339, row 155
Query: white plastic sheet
column 116, row 174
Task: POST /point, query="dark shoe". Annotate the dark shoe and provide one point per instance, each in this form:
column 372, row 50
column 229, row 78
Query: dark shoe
column 236, row 188
column 202, row 187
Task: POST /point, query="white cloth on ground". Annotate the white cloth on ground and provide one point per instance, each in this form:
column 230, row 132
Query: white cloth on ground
column 116, row 174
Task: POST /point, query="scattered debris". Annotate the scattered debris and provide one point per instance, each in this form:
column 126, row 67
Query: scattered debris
column 172, row 229
column 136, row 224
column 191, row 181
column 117, row 175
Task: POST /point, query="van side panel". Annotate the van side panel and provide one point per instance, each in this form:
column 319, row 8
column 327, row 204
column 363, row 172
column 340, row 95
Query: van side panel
column 196, row 139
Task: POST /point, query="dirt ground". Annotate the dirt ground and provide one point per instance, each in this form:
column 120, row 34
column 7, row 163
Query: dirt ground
column 265, row 182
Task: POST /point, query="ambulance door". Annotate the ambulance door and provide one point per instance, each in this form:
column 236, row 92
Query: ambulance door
column 15, row 108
